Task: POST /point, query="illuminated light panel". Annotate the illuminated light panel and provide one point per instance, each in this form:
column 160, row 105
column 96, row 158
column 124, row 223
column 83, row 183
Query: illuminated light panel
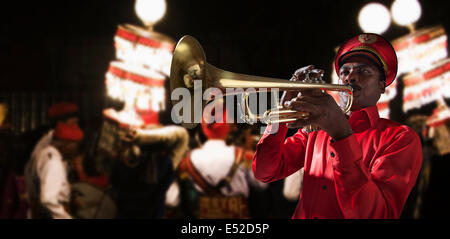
column 137, row 87
column 134, row 94
column 424, row 88
column 139, row 47
column 420, row 50
column 136, row 73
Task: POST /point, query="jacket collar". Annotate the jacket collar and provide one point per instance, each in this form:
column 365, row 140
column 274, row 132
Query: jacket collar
column 368, row 114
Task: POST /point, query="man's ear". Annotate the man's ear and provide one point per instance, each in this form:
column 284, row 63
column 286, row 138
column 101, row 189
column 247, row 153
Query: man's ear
column 382, row 85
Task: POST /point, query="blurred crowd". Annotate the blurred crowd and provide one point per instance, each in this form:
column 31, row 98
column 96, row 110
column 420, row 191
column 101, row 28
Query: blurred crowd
column 60, row 172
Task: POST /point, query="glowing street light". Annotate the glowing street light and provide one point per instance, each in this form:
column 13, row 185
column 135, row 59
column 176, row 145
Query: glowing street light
column 406, row 12
column 150, row 11
column 375, row 18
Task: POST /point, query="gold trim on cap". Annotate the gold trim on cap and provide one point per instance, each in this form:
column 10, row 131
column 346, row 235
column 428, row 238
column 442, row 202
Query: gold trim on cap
column 371, row 50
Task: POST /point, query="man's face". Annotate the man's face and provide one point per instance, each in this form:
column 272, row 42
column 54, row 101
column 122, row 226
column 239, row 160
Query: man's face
column 70, row 148
column 364, row 75
column 72, row 121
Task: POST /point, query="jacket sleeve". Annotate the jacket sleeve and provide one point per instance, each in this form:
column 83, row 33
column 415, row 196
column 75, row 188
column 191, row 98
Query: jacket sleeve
column 100, row 181
column 380, row 190
column 173, row 195
column 276, row 158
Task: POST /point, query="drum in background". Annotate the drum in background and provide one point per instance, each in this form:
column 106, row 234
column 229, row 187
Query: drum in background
column 110, row 135
column 111, row 145
column 90, row 202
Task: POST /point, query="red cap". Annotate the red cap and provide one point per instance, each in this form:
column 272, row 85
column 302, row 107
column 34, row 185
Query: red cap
column 60, row 109
column 68, row 132
column 373, row 46
column 218, row 129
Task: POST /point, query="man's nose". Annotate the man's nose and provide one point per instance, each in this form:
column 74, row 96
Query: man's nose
column 352, row 77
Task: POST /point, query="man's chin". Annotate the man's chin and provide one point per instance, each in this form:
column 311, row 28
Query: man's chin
column 355, row 104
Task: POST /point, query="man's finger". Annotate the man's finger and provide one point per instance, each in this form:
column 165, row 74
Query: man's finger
column 303, row 69
column 302, row 106
column 300, row 123
column 299, row 74
column 316, row 98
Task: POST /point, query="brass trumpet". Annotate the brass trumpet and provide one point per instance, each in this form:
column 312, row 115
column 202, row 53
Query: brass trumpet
column 189, row 64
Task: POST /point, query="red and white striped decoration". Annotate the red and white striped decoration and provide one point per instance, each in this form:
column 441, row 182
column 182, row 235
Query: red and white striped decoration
column 137, row 77
column 138, row 46
column 426, row 87
column 418, row 51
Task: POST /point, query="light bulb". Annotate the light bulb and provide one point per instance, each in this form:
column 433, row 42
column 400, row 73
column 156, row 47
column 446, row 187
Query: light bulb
column 150, row 11
column 406, row 12
column 374, row 18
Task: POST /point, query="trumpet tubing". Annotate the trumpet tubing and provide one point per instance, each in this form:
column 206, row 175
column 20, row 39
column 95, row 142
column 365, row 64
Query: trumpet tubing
column 189, row 65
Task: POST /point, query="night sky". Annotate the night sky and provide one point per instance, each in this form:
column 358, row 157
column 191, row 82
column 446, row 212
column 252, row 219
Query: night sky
column 53, row 45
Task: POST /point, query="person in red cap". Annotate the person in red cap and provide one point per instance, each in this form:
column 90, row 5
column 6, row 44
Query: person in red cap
column 218, row 174
column 47, row 173
column 358, row 165
column 63, row 111
column 66, row 112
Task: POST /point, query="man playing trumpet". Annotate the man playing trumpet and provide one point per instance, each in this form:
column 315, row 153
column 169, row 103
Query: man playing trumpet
column 358, row 165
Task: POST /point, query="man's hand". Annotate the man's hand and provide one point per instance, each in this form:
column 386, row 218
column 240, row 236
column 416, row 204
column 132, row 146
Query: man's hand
column 322, row 108
column 130, row 136
column 300, row 75
column 323, row 112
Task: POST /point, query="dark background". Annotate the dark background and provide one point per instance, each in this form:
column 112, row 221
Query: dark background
column 60, row 50
column 51, row 45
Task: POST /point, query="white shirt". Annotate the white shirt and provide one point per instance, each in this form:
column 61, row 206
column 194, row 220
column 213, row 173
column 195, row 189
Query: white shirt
column 213, row 161
column 42, row 143
column 46, row 175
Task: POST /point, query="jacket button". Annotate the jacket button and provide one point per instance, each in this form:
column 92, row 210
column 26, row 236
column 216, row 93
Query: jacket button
column 332, row 154
column 324, row 187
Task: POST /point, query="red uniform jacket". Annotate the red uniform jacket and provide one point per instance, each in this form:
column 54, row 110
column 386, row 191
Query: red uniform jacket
column 368, row 174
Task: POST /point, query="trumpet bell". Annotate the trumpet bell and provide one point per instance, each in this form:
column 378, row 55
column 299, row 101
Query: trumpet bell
column 188, row 65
